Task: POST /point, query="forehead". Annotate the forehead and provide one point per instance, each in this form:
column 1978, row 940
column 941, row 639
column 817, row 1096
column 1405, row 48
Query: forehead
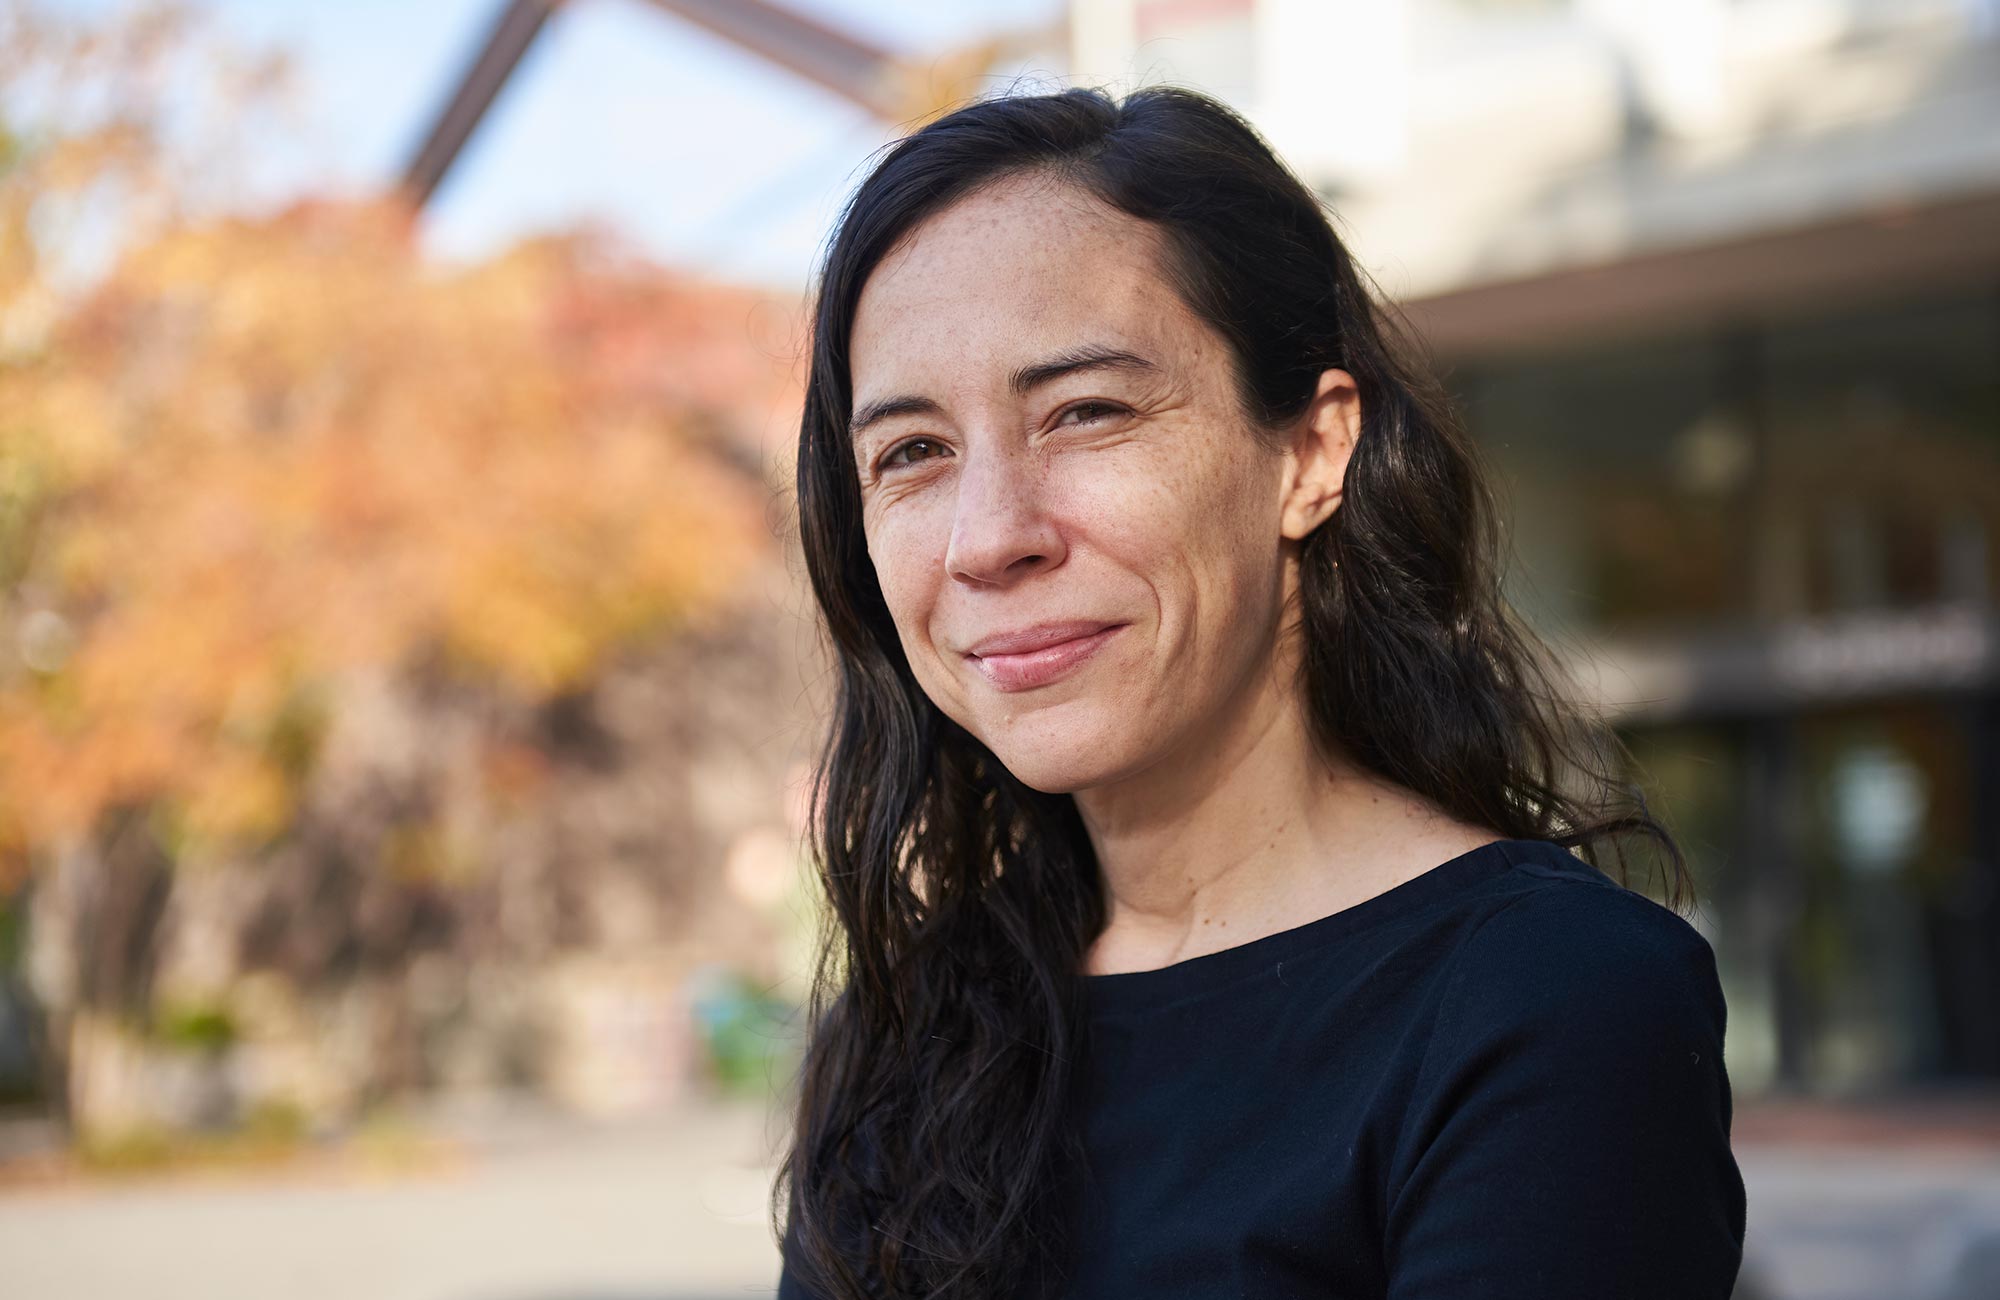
column 1012, row 270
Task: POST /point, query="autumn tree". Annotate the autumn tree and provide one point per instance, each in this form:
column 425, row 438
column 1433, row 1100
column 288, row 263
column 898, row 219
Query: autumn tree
column 261, row 473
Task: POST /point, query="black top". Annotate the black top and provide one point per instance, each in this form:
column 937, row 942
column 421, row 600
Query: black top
column 1502, row 1078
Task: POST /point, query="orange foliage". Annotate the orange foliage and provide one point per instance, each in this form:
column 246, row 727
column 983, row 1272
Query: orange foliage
column 266, row 452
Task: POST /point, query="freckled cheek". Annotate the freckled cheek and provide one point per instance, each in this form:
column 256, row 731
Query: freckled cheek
column 909, row 566
column 1141, row 517
column 1192, row 533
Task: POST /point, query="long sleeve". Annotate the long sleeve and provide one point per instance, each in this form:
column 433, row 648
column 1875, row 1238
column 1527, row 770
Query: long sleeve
column 1569, row 1136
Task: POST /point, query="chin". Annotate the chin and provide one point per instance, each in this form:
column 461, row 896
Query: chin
column 1055, row 778
column 1046, row 755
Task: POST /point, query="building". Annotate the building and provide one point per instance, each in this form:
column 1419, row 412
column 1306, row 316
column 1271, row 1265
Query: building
column 1718, row 286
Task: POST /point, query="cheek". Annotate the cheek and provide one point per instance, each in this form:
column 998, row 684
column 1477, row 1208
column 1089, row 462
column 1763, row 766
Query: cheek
column 907, row 565
column 1191, row 522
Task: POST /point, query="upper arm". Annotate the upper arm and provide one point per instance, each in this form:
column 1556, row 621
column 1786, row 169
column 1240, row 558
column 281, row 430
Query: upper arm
column 1569, row 1136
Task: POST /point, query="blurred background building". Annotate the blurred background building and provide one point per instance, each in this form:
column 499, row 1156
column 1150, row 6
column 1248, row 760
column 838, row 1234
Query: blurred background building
column 1716, row 283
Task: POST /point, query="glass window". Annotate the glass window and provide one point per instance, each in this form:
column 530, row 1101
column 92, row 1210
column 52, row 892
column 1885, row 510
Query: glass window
column 1885, row 452
column 1623, row 473
column 1883, row 847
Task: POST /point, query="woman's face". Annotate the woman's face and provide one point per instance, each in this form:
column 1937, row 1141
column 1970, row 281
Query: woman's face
column 1006, row 487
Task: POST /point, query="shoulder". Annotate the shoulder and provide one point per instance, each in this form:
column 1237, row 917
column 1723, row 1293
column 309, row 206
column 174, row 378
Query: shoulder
column 1575, row 1060
column 1570, row 956
column 1564, row 913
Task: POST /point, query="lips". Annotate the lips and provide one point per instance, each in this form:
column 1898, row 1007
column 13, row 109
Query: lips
column 1038, row 637
column 1039, row 656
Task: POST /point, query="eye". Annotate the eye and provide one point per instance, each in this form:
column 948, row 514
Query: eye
column 1102, row 410
column 889, row 456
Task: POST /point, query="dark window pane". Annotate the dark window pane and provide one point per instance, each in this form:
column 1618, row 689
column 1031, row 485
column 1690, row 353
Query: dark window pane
column 1885, row 451
column 1624, row 473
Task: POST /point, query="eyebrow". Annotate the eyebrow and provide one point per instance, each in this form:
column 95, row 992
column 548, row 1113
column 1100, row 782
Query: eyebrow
column 1020, row 383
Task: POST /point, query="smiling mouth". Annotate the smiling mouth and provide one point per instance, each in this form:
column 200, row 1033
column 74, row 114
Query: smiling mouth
column 1043, row 666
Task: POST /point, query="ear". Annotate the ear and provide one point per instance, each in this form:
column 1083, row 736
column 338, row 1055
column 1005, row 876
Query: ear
column 1316, row 464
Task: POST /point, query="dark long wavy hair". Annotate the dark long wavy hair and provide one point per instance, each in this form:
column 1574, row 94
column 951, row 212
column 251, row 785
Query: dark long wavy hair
column 932, row 1129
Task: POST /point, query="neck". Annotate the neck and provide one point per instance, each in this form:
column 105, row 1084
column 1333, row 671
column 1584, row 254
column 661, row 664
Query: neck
column 1244, row 830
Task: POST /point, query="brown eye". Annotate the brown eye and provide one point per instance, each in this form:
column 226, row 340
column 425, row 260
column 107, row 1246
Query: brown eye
column 889, row 457
column 1101, row 409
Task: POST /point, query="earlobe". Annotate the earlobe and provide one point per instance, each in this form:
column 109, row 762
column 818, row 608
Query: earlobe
column 1326, row 439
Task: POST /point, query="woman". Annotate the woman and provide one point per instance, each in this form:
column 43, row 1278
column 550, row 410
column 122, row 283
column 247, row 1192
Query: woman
column 1196, row 819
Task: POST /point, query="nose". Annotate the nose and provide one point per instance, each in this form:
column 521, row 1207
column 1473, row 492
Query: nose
column 1001, row 527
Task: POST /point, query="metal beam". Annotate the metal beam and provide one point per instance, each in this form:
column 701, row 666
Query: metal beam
column 857, row 71
column 518, row 25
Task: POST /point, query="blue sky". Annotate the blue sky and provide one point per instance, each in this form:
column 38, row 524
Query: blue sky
column 699, row 152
